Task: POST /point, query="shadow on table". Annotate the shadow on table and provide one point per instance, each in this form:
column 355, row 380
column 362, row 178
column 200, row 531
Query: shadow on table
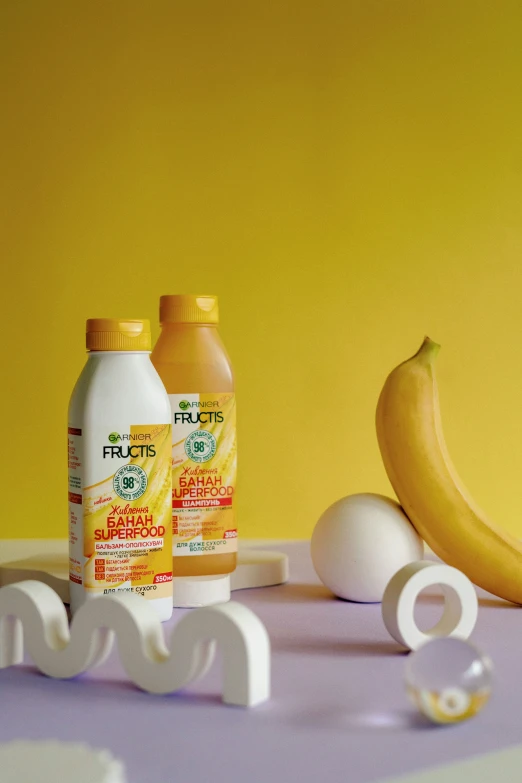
column 300, row 592
column 486, row 602
column 104, row 692
column 336, row 647
column 294, row 593
column 366, row 721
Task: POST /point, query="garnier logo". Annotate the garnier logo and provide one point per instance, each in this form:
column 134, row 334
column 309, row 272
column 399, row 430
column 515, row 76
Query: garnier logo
column 198, row 416
column 185, row 404
column 115, row 437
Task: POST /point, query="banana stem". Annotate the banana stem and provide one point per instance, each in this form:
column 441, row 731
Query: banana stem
column 428, row 350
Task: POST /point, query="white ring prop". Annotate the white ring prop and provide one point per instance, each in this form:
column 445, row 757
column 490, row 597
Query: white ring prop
column 402, row 591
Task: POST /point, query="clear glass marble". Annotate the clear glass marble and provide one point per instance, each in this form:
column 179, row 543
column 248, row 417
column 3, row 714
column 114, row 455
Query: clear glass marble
column 448, row 679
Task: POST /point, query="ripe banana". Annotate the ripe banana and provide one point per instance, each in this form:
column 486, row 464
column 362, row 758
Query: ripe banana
column 420, row 470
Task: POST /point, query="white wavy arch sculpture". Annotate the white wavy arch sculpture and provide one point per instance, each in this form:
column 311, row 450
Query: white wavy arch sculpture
column 33, row 615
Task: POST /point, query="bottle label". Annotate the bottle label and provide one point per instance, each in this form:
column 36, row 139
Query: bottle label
column 204, row 464
column 119, row 510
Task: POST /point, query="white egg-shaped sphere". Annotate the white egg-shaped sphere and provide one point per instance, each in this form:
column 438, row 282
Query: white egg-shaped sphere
column 360, row 542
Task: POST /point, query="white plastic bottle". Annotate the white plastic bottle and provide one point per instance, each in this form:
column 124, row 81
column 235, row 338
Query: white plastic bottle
column 120, row 479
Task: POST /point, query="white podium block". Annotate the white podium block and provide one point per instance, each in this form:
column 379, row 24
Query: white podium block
column 50, row 761
column 255, row 568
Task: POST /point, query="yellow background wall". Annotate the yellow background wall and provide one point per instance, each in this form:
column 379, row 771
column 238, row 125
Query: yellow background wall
column 345, row 174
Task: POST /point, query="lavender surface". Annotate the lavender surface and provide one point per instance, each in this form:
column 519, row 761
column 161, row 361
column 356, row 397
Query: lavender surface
column 338, row 710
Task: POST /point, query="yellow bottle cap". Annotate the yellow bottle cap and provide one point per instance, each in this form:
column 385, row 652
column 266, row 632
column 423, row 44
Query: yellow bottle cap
column 189, row 309
column 118, row 334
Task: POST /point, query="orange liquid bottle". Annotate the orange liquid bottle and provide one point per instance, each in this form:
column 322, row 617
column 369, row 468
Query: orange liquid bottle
column 195, row 369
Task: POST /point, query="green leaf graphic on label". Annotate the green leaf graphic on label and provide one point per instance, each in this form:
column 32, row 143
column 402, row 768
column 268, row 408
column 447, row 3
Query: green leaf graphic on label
column 184, row 404
column 114, row 437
